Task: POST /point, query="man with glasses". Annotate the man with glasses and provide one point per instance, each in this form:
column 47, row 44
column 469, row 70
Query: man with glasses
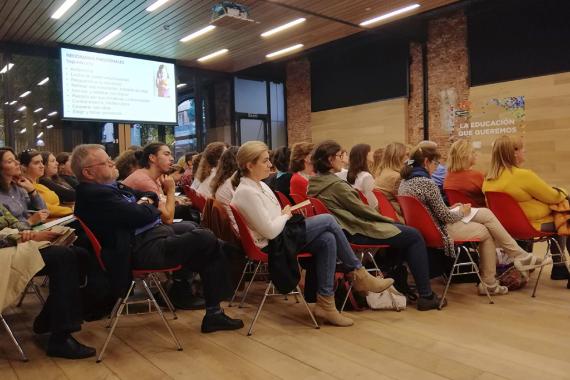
column 127, row 223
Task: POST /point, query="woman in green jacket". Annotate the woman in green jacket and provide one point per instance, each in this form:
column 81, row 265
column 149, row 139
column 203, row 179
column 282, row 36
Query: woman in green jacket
column 363, row 224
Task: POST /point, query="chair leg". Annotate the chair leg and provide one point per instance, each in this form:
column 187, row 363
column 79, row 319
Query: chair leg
column 249, row 284
column 159, row 310
column 115, row 319
column 478, row 274
column 346, row 298
column 154, row 279
column 307, row 306
column 24, row 294
column 37, row 292
column 548, row 252
column 448, row 282
column 247, row 265
column 114, row 311
column 13, row 338
column 265, row 294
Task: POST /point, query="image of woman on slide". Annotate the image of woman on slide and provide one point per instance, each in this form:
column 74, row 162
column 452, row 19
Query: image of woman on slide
column 162, row 82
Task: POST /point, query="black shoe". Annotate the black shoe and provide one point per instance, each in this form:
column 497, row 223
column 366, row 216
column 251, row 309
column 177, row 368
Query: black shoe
column 69, row 348
column 220, row 321
column 181, row 296
column 559, row 272
column 430, row 303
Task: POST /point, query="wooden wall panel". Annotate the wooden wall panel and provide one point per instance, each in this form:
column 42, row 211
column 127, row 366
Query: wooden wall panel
column 377, row 124
column 547, row 118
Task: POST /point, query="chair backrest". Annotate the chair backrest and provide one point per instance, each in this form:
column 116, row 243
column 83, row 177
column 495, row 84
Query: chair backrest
column 283, row 200
column 197, row 199
column 456, row 196
column 385, row 206
column 251, row 250
column 362, row 196
column 511, row 216
column 319, row 206
column 94, row 242
column 417, row 216
column 298, row 198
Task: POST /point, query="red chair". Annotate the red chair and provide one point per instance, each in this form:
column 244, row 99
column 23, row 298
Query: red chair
column 513, row 218
column 456, row 196
column 417, row 216
column 362, row 196
column 197, row 199
column 141, row 275
column 283, row 200
column 298, row 198
column 360, row 249
column 256, row 258
column 384, row 206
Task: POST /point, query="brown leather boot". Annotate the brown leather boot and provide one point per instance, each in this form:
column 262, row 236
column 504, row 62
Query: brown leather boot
column 325, row 310
column 363, row 281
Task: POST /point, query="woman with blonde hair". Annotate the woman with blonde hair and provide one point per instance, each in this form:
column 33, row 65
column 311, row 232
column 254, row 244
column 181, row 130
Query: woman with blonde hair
column 388, row 178
column 376, row 162
column 532, row 193
column 484, row 225
column 320, row 235
column 301, row 167
column 460, row 176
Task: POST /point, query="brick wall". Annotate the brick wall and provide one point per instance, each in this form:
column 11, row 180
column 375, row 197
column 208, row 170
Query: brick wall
column 415, row 116
column 298, row 85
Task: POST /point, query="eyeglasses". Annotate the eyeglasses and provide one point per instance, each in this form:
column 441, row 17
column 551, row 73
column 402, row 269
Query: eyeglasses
column 108, row 162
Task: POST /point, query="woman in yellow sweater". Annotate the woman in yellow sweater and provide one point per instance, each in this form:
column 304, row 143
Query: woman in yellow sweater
column 533, row 194
column 33, row 168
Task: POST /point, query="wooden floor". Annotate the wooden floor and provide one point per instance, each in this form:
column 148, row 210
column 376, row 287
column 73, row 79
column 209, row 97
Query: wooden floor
column 516, row 338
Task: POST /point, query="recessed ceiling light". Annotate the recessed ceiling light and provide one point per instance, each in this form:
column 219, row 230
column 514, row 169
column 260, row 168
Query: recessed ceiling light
column 109, row 36
column 25, row 94
column 38, row 110
column 180, row 85
column 63, row 8
column 283, row 27
column 39, row 135
column 7, row 103
column 43, row 120
column 33, row 125
column 198, row 33
column 43, row 81
column 6, row 68
column 23, row 130
column 389, row 14
column 49, row 126
column 213, row 55
column 284, row 51
column 154, row 6
column 52, row 113
column 13, row 102
column 22, row 108
column 16, row 121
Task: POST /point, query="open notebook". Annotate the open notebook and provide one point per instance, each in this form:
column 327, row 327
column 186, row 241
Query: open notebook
column 56, row 222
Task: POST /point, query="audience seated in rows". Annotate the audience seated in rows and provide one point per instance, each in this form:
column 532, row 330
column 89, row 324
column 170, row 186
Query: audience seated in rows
column 532, row 193
column 484, row 225
column 344, row 170
column 358, row 173
column 282, row 180
column 376, row 162
column 32, row 165
column 207, row 168
column 126, row 163
column 188, row 175
column 301, row 168
column 53, row 181
column 319, row 235
column 388, row 181
column 221, row 184
column 64, row 169
column 129, row 228
column 363, row 224
column 460, row 175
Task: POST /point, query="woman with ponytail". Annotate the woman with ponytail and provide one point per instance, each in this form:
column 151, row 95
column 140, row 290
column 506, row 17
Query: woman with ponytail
column 321, row 234
column 416, row 182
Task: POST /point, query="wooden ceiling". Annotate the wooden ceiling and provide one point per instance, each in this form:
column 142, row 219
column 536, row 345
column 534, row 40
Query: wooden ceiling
column 158, row 33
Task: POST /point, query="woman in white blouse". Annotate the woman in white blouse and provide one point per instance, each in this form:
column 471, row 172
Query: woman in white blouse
column 358, row 173
column 324, row 238
column 207, row 168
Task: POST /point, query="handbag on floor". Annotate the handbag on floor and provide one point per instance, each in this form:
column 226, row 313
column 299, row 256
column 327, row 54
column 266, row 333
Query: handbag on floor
column 386, row 301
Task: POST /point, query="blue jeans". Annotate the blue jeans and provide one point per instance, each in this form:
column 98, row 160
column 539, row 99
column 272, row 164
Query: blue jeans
column 327, row 243
column 412, row 247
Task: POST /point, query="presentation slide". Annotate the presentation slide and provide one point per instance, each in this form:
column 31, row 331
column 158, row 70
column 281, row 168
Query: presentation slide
column 115, row 88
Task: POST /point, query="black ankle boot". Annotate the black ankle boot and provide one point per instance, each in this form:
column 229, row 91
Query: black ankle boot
column 559, row 272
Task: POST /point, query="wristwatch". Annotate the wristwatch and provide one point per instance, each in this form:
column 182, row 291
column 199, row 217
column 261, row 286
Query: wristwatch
column 147, row 200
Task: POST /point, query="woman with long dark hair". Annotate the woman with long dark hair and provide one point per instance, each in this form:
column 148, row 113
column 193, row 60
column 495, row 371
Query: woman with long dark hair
column 64, row 169
column 53, row 181
column 207, row 168
column 358, row 175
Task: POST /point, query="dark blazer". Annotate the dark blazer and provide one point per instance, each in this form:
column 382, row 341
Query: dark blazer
column 113, row 220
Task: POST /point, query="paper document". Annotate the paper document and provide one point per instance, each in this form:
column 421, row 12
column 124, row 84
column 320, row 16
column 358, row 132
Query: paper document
column 466, row 218
column 60, row 221
column 299, row 205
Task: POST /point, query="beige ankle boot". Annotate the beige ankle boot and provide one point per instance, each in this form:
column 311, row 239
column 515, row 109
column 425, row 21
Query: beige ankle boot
column 325, row 309
column 363, row 281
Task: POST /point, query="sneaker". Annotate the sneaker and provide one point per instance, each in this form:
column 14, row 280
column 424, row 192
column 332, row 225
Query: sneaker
column 220, row 321
column 495, row 290
column 559, row 272
column 430, row 303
